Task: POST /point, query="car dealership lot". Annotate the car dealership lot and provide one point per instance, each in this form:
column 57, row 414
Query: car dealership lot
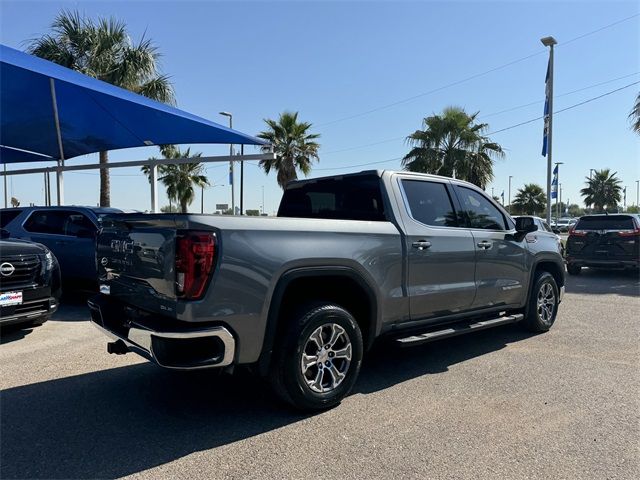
column 499, row 403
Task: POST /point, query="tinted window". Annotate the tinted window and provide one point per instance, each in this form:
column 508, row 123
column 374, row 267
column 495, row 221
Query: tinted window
column 6, row 216
column 355, row 197
column 479, row 211
column 57, row 222
column 546, row 226
column 429, row 203
column 606, row 222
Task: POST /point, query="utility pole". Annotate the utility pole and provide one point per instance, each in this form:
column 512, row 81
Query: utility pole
column 637, row 193
column 510, row 177
column 202, row 199
column 549, row 42
column 624, row 203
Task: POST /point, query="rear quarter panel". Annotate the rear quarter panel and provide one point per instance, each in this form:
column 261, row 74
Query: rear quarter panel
column 254, row 253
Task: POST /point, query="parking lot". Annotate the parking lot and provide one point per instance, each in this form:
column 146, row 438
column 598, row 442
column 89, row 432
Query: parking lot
column 500, row 403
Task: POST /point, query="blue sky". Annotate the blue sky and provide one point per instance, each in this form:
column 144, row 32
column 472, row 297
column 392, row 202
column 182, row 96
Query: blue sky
column 335, row 60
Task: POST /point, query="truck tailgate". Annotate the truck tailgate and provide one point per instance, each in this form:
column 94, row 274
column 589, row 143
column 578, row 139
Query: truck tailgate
column 136, row 260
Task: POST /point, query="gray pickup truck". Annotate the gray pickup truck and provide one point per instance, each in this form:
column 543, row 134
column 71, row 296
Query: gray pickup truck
column 300, row 298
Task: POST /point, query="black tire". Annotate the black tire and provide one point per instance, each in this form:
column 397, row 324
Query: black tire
column 540, row 318
column 574, row 269
column 286, row 373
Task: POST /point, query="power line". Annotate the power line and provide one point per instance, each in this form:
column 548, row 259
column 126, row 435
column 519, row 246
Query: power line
column 356, row 147
column 570, row 107
column 589, row 100
column 537, row 102
column 472, row 77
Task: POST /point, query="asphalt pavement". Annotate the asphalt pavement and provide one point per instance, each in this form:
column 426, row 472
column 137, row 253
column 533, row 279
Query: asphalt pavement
column 500, row 403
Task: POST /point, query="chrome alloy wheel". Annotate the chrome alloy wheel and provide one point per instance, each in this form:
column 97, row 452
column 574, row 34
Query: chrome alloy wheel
column 546, row 302
column 326, row 358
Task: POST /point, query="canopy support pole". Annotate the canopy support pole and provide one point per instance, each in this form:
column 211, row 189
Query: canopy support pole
column 154, row 188
column 5, row 186
column 242, row 181
column 46, row 204
column 59, row 181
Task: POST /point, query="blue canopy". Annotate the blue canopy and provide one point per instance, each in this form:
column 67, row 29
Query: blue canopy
column 94, row 116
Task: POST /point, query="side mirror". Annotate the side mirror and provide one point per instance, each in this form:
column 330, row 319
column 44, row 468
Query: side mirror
column 525, row 225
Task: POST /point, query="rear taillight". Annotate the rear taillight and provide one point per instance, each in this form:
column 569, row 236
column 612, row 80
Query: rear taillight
column 195, row 252
column 577, row 233
column 630, row 233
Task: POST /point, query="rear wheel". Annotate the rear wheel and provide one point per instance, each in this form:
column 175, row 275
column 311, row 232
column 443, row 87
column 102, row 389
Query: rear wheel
column 543, row 303
column 318, row 360
column 574, row 269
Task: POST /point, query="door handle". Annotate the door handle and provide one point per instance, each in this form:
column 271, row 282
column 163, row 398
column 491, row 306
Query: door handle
column 421, row 244
column 485, row 245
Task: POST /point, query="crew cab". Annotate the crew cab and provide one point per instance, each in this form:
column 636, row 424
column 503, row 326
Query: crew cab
column 300, row 297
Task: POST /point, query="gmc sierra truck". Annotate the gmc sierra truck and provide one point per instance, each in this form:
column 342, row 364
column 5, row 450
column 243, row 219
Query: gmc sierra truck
column 300, row 297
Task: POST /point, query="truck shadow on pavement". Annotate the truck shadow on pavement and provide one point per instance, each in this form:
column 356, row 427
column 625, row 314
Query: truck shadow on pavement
column 602, row 282
column 125, row 420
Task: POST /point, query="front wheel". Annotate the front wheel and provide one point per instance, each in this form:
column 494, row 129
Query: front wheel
column 543, row 303
column 318, row 359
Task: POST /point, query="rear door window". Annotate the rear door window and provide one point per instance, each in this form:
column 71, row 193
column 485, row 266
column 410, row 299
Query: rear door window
column 606, row 222
column 429, row 203
column 6, row 216
column 479, row 211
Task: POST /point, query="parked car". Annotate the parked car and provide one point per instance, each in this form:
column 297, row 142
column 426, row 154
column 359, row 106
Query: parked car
column 29, row 282
column 543, row 229
column 299, row 298
column 564, row 224
column 604, row 241
column 69, row 232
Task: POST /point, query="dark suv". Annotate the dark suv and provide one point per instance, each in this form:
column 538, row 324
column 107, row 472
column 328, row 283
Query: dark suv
column 29, row 282
column 69, row 232
column 604, row 241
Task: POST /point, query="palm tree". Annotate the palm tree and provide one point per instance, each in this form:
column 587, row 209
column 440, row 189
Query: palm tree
column 453, row 145
column 179, row 179
column 603, row 190
column 294, row 146
column 104, row 50
column 635, row 115
column 530, row 200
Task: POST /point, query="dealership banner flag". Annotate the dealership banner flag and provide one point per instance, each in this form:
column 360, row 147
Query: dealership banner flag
column 554, row 183
column 546, row 111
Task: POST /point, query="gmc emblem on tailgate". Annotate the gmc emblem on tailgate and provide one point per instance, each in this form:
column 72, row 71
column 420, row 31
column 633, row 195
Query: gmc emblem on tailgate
column 122, row 246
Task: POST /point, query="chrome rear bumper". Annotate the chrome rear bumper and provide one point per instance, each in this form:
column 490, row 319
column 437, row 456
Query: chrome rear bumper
column 152, row 344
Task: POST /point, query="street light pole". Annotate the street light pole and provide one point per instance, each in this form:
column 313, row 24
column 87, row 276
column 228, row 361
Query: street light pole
column 637, row 193
column 233, row 199
column 509, row 208
column 549, row 42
